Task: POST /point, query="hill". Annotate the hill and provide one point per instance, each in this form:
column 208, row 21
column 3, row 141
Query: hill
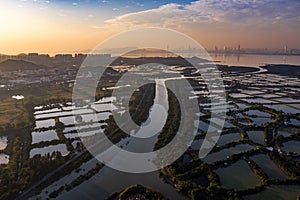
column 15, row 65
column 137, row 192
column 236, row 69
column 283, row 69
column 170, row 61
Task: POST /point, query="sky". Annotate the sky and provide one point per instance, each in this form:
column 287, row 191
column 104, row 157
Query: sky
column 53, row 26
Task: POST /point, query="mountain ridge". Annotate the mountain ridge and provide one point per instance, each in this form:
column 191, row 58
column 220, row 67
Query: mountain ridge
column 15, row 65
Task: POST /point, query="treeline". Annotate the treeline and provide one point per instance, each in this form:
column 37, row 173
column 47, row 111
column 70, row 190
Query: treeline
column 172, row 124
column 139, row 108
column 22, row 171
column 137, row 192
column 140, row 103
column 76, row 163
column 183, row 182
column 77, row 181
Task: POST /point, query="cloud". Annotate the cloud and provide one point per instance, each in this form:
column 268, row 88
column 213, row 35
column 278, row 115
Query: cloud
column 213, row 12
column 251, row 23
column 166, row 15
column 41, row 1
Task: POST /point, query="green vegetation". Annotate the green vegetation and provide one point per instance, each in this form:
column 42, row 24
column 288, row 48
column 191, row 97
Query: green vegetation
column 288, row 165
column 22, row 172
column 137, row 192
column 181, row 175
column 139, row 107
column 39, row 166
column 17, row 123
column 140, row 103
column 172, row 124
column 15, row 65
column 77, row 181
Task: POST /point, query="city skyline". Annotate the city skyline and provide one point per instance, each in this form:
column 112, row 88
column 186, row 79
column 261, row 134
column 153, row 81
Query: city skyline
column 223, row 50
column 78, row 26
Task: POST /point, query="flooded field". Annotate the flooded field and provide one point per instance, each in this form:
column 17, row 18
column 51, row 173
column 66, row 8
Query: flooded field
column 250, row 111
column 291, row 146
column 280, row 192
column 213, row 157
column 228, row 138
column 44, row 136
column 269, row 167
column 47, row 116
column 44, row 123
column 234, row 176
column 3, row 142
column 4, row 158
column 49, row 149
column 284, row 108
column 256, row 136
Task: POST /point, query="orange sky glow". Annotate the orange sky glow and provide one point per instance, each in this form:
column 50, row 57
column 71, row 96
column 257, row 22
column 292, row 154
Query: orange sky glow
column 46, row 27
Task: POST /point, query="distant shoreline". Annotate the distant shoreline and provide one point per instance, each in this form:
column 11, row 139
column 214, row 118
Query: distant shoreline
column 281, row 69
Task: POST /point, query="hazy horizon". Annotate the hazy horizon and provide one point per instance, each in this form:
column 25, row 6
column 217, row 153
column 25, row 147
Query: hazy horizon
column 115, row 51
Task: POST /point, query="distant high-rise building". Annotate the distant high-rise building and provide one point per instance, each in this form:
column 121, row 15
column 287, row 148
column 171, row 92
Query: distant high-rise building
column 285, row 50
column 63, row 57
column 33, row 55
column 80, row 57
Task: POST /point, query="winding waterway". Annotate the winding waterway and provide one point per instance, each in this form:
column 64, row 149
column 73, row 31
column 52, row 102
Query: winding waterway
column 108, row 180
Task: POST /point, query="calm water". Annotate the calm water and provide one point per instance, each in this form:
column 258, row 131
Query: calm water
column 293, row 146
column 294, row 122
column 108, row 180
column 211, row 158
column 284, row 108
column 49, row 149
column 258, row 113
column 255, row 60
column 203, row 126
column 4, row 158
column 278, row 192
column 228, row 138
column 248, row 60
column 234, row 176
column 63, row 113
column 219, row 122
column 69, row 120
column 44, row 136
column 269, row 167
column 256, row 136
column 3, row 142
column 44, row 123
column 259, row 121
column 285, row 131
